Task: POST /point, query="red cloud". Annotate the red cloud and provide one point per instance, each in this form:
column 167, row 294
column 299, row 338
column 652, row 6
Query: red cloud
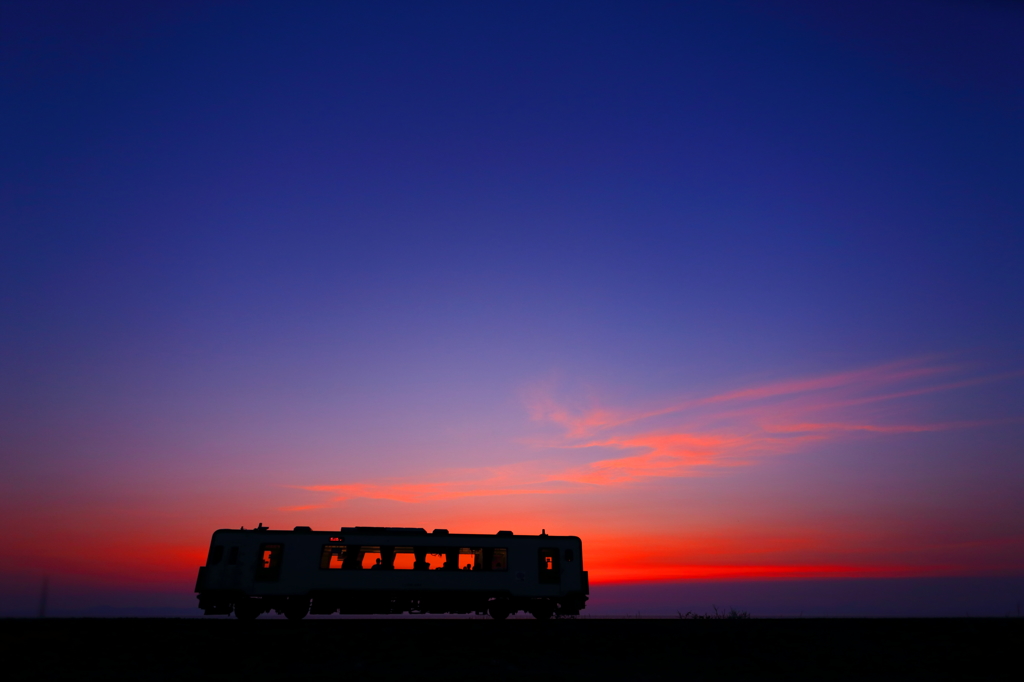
column 727, row 429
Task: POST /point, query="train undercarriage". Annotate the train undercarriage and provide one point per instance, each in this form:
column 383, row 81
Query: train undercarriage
column 295, row 607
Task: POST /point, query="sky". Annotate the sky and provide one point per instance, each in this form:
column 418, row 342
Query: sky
column 731, row 290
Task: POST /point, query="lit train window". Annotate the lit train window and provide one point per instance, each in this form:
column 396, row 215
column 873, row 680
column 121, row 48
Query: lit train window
column 333, row 556
column 548, row 569
column 471, row 559
column 365, row 557
column 269, row 568
column 405, row 559
column 371, row 558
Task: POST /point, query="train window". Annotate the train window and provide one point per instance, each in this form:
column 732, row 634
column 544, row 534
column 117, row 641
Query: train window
column 233, row 556
column 332, row 556
column 371, row 557
column 414, row 558
column 269, row 567
column 216, row 554
column 568, row 555
column 404, row 559
column 471, row 558
column 547, row 566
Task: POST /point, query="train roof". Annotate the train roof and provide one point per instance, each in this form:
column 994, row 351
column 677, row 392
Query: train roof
column 387, row 530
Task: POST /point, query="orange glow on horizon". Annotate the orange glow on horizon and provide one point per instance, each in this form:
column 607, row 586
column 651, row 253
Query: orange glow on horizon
column 682, row 573
column 132, row 562
column 596, row 460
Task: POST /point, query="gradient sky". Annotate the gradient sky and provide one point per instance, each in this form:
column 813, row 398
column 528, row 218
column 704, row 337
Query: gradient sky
column 731, row 290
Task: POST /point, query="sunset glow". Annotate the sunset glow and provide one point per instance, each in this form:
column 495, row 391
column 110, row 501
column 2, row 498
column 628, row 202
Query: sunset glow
column 732, row 291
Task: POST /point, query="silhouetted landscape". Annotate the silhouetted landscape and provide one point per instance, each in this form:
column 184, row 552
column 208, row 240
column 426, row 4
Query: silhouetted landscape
column 434, row 649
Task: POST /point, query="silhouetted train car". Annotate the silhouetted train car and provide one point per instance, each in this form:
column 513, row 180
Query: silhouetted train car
column 391, row 570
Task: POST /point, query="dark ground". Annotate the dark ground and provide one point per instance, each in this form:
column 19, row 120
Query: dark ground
column 485, row 650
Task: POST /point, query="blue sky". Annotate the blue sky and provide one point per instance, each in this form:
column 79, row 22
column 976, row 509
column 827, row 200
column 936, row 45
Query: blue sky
column 253, row 249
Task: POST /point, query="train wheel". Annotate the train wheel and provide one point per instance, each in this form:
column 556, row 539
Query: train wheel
column 247, row 609
column 543, row 613
column 498, row 610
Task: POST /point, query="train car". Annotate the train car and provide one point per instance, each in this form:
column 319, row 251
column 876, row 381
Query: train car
column 366, row 570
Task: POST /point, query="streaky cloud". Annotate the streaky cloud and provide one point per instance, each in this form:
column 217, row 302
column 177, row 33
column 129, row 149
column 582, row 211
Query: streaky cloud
column 691, row 437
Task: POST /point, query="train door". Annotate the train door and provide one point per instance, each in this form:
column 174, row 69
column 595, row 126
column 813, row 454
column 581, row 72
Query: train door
column 549, row 571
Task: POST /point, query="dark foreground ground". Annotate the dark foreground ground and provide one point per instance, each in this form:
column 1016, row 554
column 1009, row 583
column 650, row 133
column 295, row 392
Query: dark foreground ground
column 485, row 650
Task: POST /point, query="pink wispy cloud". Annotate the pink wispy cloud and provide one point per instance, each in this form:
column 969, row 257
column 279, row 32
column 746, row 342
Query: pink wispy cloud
column 687, row 437
column 524, row 478
column 424, row 492
column 848, row 386
column 661, row 455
